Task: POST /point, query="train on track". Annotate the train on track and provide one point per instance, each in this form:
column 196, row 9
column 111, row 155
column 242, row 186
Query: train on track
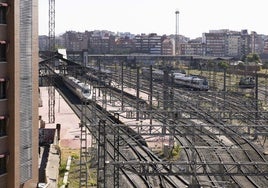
column 80, row 89
column 246, row 82
column 180, row 78
column 191, row 81
column 84, row 92
column 99, row 70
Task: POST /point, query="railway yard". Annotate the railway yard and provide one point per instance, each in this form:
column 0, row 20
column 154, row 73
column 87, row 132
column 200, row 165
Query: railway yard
column 153, row 130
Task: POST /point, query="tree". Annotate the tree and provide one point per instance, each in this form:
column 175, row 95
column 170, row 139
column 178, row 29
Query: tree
column 223, row 65
column 253, row 57
column 243, row 58
column 265, row 64
column 210, row 65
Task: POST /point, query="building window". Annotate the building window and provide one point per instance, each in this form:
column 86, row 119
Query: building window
column 2, row 88
column 3, row 124
column 3, row 8
column 3, row 164
column 2, row 51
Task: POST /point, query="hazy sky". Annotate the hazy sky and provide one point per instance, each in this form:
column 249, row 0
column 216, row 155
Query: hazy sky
column 156, row 16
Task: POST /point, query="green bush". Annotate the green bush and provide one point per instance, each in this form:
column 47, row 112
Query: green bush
column 62, row 170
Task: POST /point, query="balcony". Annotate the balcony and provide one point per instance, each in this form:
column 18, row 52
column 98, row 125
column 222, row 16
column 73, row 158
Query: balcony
column 3, row 126
column 3, row 21
column 3, row 96
column 3, row 69
column 3, row 47
column 3, row 31
column 3, row 105
column 3, row 168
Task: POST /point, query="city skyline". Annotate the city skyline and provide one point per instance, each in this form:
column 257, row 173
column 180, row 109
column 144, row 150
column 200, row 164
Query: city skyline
column 140, row 16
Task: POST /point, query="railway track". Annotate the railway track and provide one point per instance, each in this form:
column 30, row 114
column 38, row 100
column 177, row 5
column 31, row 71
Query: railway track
column 210, row 179
column 250, row 147
column 245, row 146
column 131, row 141
column 203, row 115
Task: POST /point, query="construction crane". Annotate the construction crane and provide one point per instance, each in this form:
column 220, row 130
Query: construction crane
column 51, row 89
column 51, row 100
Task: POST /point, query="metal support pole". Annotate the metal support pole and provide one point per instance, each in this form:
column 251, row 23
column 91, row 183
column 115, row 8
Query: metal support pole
column 224, row 92
column 256, row 102
column 122, row 85
column 99, row 75
column 138, row 94
column 165, row 90
column 224, row 80
column 151, row 94
column 83, row 147
column 194, row 182
column 116, row 157
column 171, row 96
column 101, row 171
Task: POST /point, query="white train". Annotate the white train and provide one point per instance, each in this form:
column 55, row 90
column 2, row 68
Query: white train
column 182, row 79
column 82, row 90
column 157, row 74
column 194, row 82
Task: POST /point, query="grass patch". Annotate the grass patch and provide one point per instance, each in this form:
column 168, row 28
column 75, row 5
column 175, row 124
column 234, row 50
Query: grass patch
column 73, row 177
column 74, row 172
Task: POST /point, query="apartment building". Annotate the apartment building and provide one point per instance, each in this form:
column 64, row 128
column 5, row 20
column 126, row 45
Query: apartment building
column 168, row 46
column 265, row 48
column 257, row 43
column 234, row 45
column 216, row 43
column 238, row 44
column 149, row 44
column 141, row 43
column 101, row 43
column 18, row 93
column 245, row 43
column 74, row 41
column 155, row 44
column 123, row 45
column 193, row 47
column 221, row 43
column 43, row 43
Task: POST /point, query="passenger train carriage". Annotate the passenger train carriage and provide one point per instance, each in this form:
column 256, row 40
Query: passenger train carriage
column 180, row 78
column 191, row 81
column 80, row 89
